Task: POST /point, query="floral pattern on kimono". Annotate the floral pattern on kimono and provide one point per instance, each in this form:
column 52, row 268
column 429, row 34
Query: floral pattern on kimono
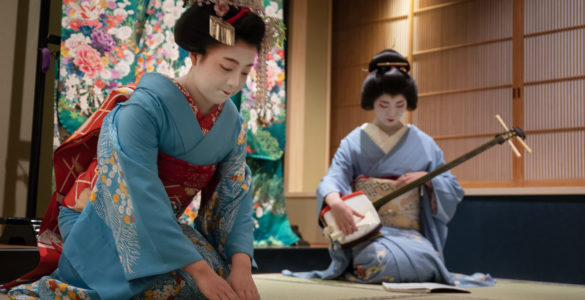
column 115, row 226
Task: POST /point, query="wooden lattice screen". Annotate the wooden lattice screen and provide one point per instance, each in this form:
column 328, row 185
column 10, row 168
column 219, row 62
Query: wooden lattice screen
column 522, row 59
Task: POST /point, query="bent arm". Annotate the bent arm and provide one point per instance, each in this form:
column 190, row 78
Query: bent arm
column 338, row 177
column 163, row 246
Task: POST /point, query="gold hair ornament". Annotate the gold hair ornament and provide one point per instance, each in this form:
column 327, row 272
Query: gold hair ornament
column 221, row 31
column 399, row 65
column 391, row 64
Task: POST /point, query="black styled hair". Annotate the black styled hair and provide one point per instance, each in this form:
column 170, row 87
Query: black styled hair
column 388, row 75
column 192, row 28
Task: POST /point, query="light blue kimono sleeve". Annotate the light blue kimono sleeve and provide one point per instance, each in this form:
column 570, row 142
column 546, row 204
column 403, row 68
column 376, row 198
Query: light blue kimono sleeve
column 447, row 194
column 339, row 176
column 241, row 238
column 447, row 191
column 235, row 174
column 226, row 218
column 162, row 245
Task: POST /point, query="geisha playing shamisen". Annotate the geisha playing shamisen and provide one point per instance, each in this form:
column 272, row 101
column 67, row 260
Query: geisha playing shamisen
column 126, row 175
column 377, row 158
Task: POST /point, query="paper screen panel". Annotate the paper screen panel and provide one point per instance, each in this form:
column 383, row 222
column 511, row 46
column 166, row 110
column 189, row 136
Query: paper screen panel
column 558, row 155
column 346, row 87
column 554, row 72
column 464, row 68
column 464, row 113
column 554, row 56
column 390, row 34
column 555, row 105
column 494, row 164
column 467, row 22
column 350, row 13
column 346, row 119
column 546, row 15
column 360, row 30
column 357, row 45
column 421, row 4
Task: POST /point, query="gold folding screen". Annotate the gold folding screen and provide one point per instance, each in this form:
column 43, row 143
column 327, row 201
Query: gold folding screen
column 472, row 59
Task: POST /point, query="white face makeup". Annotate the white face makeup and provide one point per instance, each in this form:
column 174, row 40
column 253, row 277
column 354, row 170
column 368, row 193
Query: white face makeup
column 221, row 73
column 389, row 110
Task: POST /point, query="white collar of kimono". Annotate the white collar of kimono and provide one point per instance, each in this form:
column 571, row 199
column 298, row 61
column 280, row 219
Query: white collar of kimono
column 381, row 138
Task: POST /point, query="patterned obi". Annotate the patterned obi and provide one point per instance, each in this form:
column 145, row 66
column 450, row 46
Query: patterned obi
column 402, row 211
column 182, row 180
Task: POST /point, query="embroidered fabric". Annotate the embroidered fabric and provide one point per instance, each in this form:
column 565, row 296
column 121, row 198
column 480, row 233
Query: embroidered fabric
column 76, row 174
column 205, row 121
column 401, row 212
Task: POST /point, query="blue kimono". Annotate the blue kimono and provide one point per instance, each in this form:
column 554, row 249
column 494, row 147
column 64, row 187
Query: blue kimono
column 399, row 255
column 127, row 239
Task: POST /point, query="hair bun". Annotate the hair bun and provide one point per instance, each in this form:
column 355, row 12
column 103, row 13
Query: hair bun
column 388, row 75
column 387, row 59
column 192, row 28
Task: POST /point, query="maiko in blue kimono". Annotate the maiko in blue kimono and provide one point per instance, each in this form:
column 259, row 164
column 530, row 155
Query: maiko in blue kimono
column 129, row 223
column 383, row 150
column 119, row 196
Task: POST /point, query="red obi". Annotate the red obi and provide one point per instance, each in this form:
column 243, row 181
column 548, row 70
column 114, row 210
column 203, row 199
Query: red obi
column 183, row 180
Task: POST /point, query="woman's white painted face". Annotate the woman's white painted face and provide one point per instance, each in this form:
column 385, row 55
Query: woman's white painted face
column 223, row 71
column 389, row 109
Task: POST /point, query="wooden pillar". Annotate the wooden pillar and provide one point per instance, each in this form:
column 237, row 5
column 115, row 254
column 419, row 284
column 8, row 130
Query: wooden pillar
column 518, row 83
column 308, row 111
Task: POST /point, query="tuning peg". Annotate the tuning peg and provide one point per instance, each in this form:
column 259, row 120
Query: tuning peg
column 520, row 140
column 509, row 141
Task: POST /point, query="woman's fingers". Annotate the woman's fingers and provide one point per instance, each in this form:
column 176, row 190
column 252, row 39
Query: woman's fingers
column 357, row 214
column 402, row 181
column 349, row 225
column 228, row 293
column 221, row 291
column 249, row 295
column 348, row 230
column 344, row 218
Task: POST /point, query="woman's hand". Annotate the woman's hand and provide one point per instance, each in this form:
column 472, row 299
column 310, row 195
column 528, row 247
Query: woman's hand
column 342, row 213
column 410, row 177
column 210, row 284
column 240, row 278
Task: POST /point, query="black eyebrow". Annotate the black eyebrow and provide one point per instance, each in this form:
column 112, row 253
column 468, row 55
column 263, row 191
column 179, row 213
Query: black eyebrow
column 236, row 62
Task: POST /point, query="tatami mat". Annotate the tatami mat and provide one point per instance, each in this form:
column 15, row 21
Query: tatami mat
column 280, row 287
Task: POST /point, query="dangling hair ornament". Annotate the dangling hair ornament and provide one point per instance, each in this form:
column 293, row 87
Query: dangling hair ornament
column 224, row 32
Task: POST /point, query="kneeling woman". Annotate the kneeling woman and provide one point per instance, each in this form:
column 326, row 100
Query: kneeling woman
column 119, row 196
column 381, row 156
